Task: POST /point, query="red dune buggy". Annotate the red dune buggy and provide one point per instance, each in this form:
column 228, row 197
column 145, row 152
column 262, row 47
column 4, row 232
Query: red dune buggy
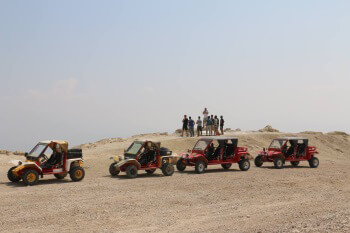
column 143, row 155
column 214, row 151
column 291, row 149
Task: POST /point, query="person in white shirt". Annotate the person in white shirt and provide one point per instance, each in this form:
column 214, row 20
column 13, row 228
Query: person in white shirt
column 205, row 117
column 199, row 126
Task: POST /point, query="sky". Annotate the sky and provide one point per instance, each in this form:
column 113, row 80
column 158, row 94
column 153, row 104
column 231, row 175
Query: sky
column 86, row 70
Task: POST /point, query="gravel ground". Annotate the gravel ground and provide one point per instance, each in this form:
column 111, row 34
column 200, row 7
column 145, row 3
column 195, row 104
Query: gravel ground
column 260, row 200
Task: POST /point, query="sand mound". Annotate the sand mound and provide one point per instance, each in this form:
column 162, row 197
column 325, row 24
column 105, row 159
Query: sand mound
column 338, row 133
column 268, row 128
column 310, row 132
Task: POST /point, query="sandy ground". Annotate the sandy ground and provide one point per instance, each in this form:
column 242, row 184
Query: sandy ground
column 259, row 200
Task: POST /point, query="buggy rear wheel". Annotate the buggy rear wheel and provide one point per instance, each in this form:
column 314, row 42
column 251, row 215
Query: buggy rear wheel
column 113, row 170
column 77, row 173
column 180, row 165
column 150, row 171
column 131, row 171
column 226, row 166
column 200, row 167
column 244, row 164
column 314, row 162
column 30, row 177
column 168, row 169
column 258, row 161
column 60, row 176
column 278, row 163
column 294, row 163
column 12, row 177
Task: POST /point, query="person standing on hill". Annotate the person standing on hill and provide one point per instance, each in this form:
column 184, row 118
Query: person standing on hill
column 208, row 126
column 205, row 117
column 222, row 122
column 191, row 126
column 185, row 126
column 199, row 126
column 216, row 125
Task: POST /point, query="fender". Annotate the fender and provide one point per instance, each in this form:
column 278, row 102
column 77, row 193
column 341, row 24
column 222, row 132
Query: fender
column 70, row 161
column 26, row 165
column 123, row 164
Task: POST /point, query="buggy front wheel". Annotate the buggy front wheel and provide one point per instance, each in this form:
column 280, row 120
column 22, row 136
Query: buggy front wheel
column 278, row 163
column 200, row 167
column 168, row 169
column 12, row 177
column 113, row 170
column 180, row 165
column 258, row 161
column 244, row 164
column 314, row 162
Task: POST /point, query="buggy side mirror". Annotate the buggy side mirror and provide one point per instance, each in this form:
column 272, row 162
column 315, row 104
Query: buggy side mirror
column 26, row 154
column 124, row 150
column 189, row 151
column 264, row 149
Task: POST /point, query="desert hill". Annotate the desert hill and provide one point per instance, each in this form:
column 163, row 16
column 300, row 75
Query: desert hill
column 262, row 199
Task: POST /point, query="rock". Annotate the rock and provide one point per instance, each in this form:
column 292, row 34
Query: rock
column 18, row 153
column 238, row 130
column 178, row 131
column 268, row 128
column 227, row 129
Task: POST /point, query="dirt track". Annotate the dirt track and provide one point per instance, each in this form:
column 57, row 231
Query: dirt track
column 259, row 200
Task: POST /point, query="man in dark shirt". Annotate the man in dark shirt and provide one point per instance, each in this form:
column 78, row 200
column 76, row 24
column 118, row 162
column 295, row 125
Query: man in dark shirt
column 185, row 126
column 191, row 126
column 222, row 124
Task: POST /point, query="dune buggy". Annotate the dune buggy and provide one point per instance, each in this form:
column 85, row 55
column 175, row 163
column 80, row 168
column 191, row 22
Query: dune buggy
column 214, row 151
column 48, row 158
column 291, row 149
column 143, row 155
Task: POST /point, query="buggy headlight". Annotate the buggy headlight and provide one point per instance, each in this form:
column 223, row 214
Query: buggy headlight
column 19, row 162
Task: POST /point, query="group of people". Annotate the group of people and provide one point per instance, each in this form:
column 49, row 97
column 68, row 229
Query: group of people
column 210, row 123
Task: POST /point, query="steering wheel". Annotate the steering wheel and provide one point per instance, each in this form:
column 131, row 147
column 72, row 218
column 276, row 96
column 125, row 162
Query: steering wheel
column 44, row 158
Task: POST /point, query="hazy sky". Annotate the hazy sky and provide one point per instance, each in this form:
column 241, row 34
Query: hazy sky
column 87, row 70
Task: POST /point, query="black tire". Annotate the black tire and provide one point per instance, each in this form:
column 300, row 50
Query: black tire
column 314, row 162
column 150, row 172
column 112, row 170
column 60, row 176
column 278, row 163
column 258, row 161
column 180, row 165
column 12, row 177
column 168, row 169
column 131, row 171
column 200, row 166
column 30, row 177
column 244, row 164
column 226, row 166
column 77, row 173
column 294, row 163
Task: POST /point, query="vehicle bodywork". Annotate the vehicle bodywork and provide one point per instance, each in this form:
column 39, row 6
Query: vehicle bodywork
column 37, row 163
column 204, row 153
column 143, row 155
column 292, row 149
